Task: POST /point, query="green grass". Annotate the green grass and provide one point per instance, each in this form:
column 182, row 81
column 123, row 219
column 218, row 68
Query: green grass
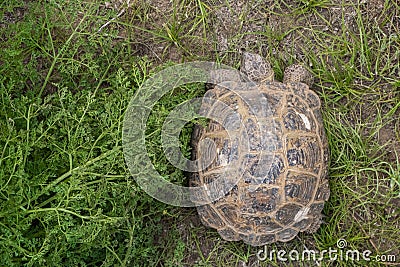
column 66, row 195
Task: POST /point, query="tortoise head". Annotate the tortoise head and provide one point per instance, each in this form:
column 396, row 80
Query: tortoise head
column 256, row 68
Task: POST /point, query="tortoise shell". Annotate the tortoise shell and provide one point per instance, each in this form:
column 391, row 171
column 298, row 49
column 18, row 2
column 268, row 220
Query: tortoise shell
column 270, row 153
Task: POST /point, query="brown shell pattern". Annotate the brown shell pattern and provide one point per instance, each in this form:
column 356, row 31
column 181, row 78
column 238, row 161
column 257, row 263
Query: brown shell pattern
column 284, row 183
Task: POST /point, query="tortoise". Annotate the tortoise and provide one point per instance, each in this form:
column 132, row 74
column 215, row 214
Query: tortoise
column 278, row 149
